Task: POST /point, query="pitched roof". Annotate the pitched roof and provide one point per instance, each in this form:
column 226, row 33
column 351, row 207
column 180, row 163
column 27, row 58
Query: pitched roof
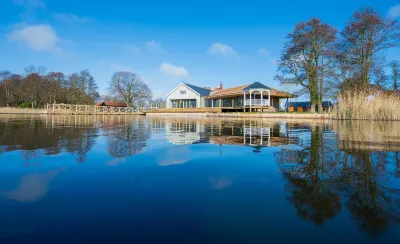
column 238, row 91
column 200, row 90
column 233, row 91
column 256, row 85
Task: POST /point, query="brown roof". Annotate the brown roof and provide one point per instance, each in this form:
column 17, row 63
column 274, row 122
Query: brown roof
column 238, row 91
column 111, row 104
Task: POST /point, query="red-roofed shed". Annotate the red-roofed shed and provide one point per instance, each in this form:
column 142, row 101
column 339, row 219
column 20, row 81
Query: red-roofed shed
column 111, row 104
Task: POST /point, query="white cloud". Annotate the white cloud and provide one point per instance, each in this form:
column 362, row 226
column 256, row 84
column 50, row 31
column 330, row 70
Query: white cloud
column 132, row 49
column 394, row 12
column 69, row 18
column 263, row 52
column 154, row 46
column 222, row 49
column 41, row 38
column 174, row 70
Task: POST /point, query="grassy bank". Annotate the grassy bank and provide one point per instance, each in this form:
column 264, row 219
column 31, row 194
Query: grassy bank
column 367, row 105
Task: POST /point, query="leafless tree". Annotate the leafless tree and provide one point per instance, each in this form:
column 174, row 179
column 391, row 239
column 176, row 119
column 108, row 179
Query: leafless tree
column 36, row 88
column 129, row 88
column 366, row 36
column 303, row 58
column 4, row 80
column 395, row 70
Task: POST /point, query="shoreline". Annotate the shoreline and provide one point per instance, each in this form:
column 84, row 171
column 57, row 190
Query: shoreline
column 286, row 116
column 244, row 115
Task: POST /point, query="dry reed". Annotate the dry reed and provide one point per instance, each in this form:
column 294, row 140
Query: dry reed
column 11, row 110
column 367, row 105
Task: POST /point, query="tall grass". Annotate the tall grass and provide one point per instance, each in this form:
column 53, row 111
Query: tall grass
column 11, row 110
column 368, row 104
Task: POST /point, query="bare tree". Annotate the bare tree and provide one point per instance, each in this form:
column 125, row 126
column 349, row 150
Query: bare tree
column 54, row 85
column 4, row 80
column 128, row 87
column 302, row 60
column 395, row 68
column 365, row 37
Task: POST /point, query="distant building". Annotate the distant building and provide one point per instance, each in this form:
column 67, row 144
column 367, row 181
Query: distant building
column 111, row 104
column 306, row 106
column 250, row 97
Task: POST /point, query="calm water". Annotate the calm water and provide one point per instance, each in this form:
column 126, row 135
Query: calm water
column 128, row 179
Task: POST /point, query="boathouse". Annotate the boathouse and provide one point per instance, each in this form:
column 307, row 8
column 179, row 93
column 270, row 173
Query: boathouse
column 250, row 97
column 111, row 104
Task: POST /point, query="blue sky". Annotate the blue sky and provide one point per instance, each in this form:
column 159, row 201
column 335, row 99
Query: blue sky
column 165, row 42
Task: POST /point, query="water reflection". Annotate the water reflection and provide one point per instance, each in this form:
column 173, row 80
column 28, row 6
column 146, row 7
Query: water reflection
column 329, row 171
column 324, row 175
column 32, row 187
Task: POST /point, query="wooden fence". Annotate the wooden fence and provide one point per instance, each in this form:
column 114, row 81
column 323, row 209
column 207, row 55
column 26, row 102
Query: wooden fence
column 92, row 109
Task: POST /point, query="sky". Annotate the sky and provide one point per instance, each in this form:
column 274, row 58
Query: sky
column 164, row 42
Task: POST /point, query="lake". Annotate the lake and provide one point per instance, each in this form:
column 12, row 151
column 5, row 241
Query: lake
column 124, row 179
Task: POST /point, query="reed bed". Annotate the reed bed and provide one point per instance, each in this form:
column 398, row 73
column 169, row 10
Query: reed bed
column 368, row 135
column 11, row 110
column 367, row 105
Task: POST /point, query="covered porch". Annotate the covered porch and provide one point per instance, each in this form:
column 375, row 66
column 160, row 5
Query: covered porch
column 256, row 99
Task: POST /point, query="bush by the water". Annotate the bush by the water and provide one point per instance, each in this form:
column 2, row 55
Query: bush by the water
column 368, row 104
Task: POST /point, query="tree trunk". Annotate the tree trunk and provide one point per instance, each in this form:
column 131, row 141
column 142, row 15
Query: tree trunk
column 312, row 108
column 321, row 83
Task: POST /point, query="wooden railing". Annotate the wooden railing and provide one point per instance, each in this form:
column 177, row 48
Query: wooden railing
column 257, row 102
column 92, row 109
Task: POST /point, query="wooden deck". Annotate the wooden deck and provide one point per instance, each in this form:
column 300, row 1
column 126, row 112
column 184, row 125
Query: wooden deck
column 213, row 110
column 92, row 109
column 185, row 110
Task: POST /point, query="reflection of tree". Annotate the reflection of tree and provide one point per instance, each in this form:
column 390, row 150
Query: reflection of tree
column 308, row 187
column 128, row 139
column 79, row 140
column 320, row 174
column 313, row 200
column 32, row 135
column 369, row 203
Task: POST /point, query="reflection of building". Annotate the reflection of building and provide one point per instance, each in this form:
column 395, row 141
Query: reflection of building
column 253, row 133
column 254, row 136
column 184, row 132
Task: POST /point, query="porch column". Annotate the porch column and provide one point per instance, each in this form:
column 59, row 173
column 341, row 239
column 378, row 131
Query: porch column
column 212, row 103
column 244, row 98
column 269, row 97
column 233, row 101
column 250, row 100
column 262, row 96
column 220, row 102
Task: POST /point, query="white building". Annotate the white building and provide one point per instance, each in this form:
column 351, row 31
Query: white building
column 187, row 96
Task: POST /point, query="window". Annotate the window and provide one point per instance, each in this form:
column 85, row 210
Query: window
column 183, row 92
